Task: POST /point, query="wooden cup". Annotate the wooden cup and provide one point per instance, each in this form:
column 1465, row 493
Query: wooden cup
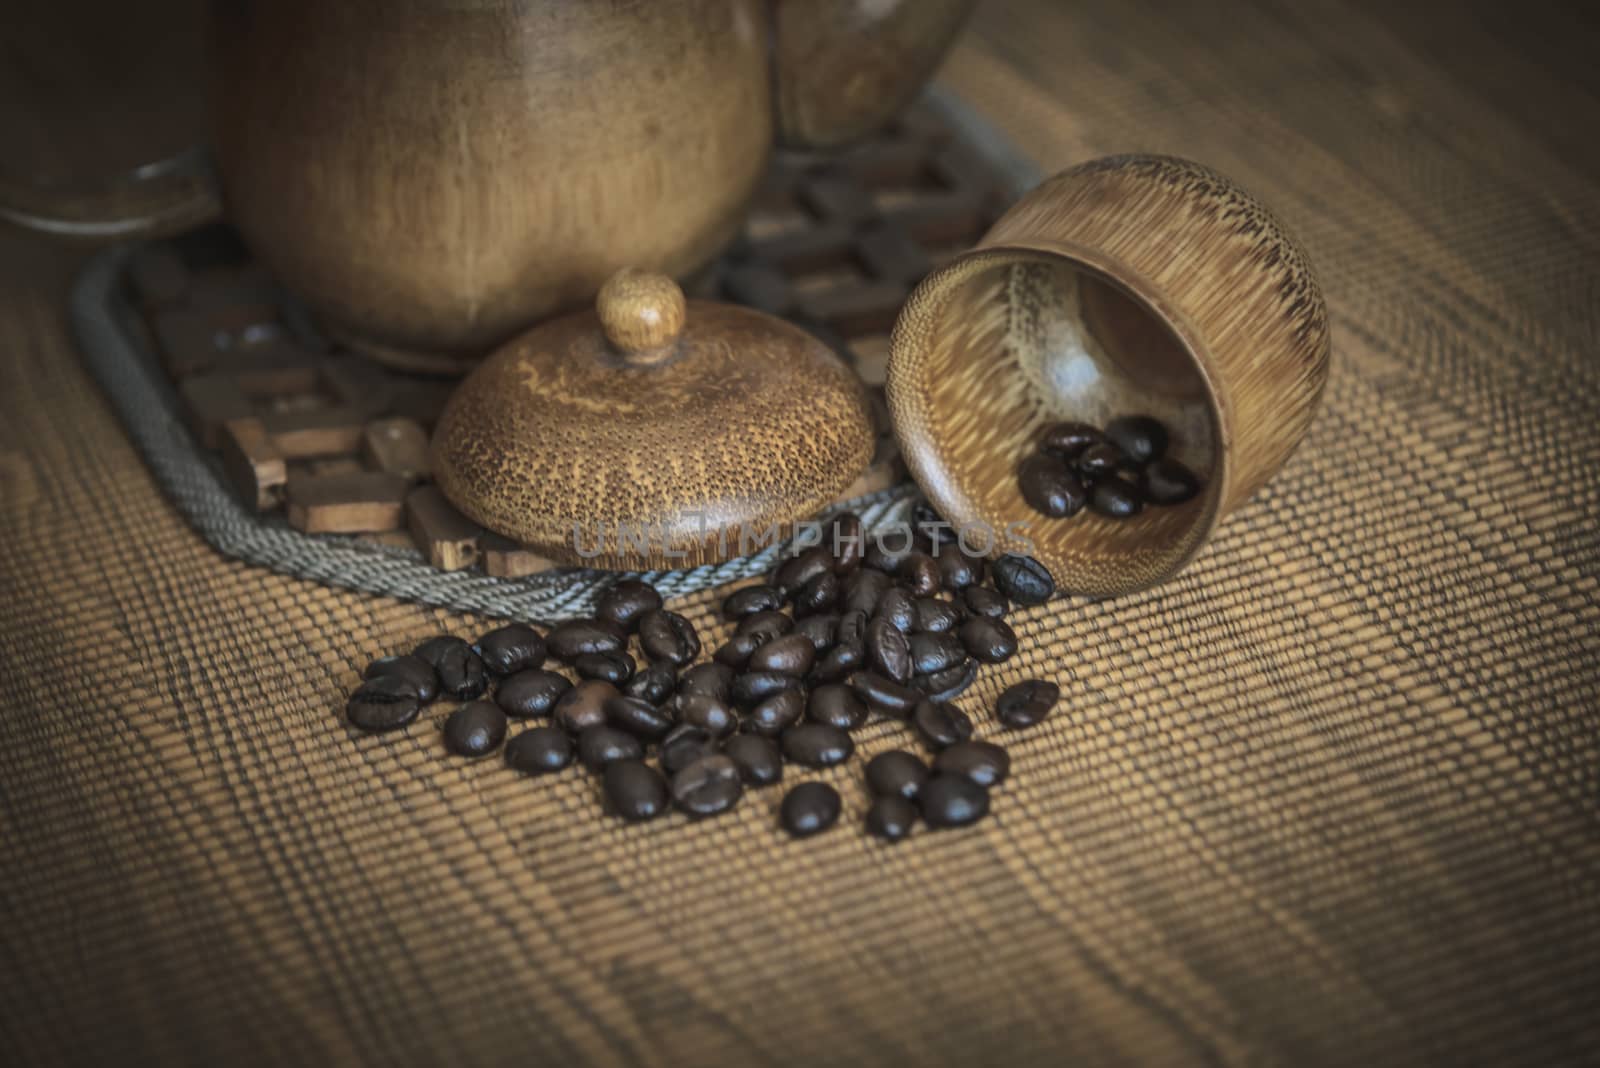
column 1127, row 285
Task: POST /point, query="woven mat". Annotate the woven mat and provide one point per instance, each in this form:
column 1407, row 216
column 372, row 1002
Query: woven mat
column 1329, row 797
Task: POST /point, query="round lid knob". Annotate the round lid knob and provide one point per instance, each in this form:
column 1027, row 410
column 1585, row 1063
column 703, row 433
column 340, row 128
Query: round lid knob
column 641, row 314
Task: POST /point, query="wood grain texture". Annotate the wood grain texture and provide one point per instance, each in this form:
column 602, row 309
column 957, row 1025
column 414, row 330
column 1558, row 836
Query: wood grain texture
column 1329, row 797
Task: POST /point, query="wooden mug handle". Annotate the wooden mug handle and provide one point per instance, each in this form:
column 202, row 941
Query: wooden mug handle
column 642, row 315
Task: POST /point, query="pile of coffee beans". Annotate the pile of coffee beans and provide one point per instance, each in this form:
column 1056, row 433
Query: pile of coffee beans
column 843, row 633
column 1115, row 472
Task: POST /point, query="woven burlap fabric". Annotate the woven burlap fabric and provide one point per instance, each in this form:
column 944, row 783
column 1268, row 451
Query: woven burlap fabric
column 1328, row 797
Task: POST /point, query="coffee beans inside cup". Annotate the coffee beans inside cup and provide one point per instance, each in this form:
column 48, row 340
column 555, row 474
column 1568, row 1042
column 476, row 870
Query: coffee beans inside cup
column 1113, row 472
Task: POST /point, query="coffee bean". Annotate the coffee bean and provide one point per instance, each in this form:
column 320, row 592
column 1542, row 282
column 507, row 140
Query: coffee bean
column 570, row 640
column 796, row 571
column 413, row 669
column 852, row 628
column 863, row 589
column 793, row 654
column 627, row 602
column 668, row 637
column 708, row 786
column 931, row 525
column 982, row 601
column 530, row 693
column 600, row 745
column 888, row 651
column 510, row 649
column 1115, row 497
column 540, row 750
column 941, row 724
column 887, row 553
column 583, row 706
column 755, row 686
column 891, row 818
column 1099, row 461
column 1068, row 440
column 475, row 729
column 1142, row 438
column 709, row 713
column 654, row 684
column 709, row 680
column 635, row 790
column 885, row 695
column 952, row 801
column 752, row 599
column 934, row 616
column 735, row 652
column 983, row 762
column 615, row 668
column 817, row 745
column 932, row 653
column 1050, row 488
column 771, row 716
column 638, row 717
column 991, row 641
column 837, row 706
column 460, row 672
column 1026, row 703
column 765, row 626
column 899, row 608
column 760, row 763
column 819, row 630
column 385, row 703
column 819, row 595
column 845, row 541
column 896, row 773
column 957, row 570
column 1167, row 482
column 837, row 663
column 1023, row 579
column 948, row 684
column 809, row 808
column 920, row 573
column 683, row 745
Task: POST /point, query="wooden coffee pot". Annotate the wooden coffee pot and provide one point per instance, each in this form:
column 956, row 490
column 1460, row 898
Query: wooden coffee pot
column 432, row 176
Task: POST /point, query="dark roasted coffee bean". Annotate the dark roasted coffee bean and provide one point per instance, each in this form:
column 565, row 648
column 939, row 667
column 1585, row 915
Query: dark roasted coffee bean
column 821, row 594
column 413, row 669
column 957, row 570
column 932, row 653
column 836, row 705
column 899, row 608
column 885, row 695
column 819, row 630
column 708, row 786
column 615, row 668
column 796, row 571
column 600, row 745
column 1099, row 461
column 952, row 801
column 460, row 672
column 735, row 652
column 793, row 654
column 934, row 616
column 540, row 750
column 765, row 625
column 888, row 551
column 1167, row 482
column 852, row 629
column 754, row 686
column 920, row 573
column 948, row 684
column 1068, row 440
column 891, row 818
column 837, row 663
column 1142, row 438
column 752, row 599
column 931, row 527
column 760, row 763
column 846, row 542
column 475, row 729
column 639, row 718
column 510, row 649
column 1050, row 488
column 983, row 762
column 941, row 724
column 635, row 790
column 817, row 745
column 982, row 601
column 626, row 603
column 863, row 589
column 709, row 680
column 385, row 703
column 896, row 773
column 809, row 808
column 772, row 716
column 1115, row 497
column 683, row 745
column 708, row 713
column 654, row 684
column 583, row 706
column 668, row 637
column 888, row 652
column 530, row 693
column 990, row 641
column 1026, row 703
column 1023, row 579
column 570, row 640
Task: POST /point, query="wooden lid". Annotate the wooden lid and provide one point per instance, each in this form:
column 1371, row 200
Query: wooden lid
column 652, row 426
